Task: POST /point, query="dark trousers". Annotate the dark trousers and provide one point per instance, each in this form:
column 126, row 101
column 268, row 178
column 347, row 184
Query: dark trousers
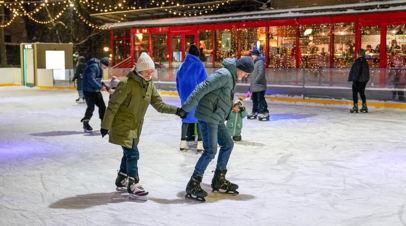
column 94, row 98
column 259, row 104
column 129, row 161
column 359, row 87
column 188, row 130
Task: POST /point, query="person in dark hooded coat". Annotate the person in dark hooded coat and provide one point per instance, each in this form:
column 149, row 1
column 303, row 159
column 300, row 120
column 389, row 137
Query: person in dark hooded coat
column 80, row 67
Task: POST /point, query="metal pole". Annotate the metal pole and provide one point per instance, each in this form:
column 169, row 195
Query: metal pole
column 304, row 82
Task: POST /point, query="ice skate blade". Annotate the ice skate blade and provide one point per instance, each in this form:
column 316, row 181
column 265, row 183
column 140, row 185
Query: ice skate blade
column 183, row 149
column 121, row 189
column 88, row 131
column 225, row 191
column 197, row 198
column 199, row 152
column 264, row 119
column 135, row 197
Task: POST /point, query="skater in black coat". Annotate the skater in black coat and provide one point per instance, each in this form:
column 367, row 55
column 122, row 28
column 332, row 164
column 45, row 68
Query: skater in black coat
column 80, row 67
column 359, row 76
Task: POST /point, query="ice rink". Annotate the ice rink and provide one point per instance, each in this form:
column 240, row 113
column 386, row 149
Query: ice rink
column 307, row 166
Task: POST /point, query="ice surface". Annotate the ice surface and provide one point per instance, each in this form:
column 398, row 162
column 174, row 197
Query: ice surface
column 307, row 166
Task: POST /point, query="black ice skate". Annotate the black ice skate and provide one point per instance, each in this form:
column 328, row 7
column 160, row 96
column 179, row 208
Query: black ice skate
column 237, row 138
column 354, row 108
column 121, row 182
column 364, row 108
column 264, row 116
column 86, row 126
column 193, row 189
column 135, row 190
column 221, row 184
column 252, row 116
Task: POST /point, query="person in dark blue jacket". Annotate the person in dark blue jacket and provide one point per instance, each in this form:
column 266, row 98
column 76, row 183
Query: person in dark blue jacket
column 92, row 85
column 189, row 75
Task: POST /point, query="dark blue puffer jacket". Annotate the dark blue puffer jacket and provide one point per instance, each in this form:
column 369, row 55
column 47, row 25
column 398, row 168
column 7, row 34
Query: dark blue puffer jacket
column 92, row 76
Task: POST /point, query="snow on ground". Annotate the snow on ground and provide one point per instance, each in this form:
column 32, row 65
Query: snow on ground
column 309, row 165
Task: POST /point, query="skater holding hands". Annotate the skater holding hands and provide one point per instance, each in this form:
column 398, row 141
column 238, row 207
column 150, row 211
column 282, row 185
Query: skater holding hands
column 124, row 119
column 214, row 100
column 234, row 124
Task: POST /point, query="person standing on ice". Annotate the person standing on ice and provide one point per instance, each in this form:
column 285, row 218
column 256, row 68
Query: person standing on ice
column 234, row 124
column 189, row 75
column 258, row 87
column 92, row 85
column 214, row 99
column 80, row 67
column 124, row 119
column 359, row 76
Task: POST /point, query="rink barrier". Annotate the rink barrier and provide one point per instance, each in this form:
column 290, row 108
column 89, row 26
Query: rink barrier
column 56, row 87
column 315, row 101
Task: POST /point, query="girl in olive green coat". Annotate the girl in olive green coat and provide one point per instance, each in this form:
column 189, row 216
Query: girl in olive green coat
column 124, row 119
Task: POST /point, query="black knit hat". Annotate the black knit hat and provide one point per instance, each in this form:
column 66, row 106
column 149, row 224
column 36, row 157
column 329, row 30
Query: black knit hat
column 255, row 52
column 245, row 64
column 194, row 50
column 105, row 61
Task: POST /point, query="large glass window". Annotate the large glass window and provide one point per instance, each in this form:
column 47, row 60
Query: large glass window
column 118, row 33
column 282, row 43
column 252, row 38
column 176, row 51
column 396, row 46
column 206, row 48
column 141, row 44
column 370, row 41
column 189, row 40
column 344, row 45
column 226, row 45
column 315, row 45
column 160, row 50
column 118, row 51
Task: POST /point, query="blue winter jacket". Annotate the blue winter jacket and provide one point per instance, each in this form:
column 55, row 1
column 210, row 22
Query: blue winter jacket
column 214, row 96
column 189, row 75
column 92, row 76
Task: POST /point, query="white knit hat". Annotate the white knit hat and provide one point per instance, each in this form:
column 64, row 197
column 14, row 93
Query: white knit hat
column 145, row 62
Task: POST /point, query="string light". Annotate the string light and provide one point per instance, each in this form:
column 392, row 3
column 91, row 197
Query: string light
column 181, row 9
column 45, row 22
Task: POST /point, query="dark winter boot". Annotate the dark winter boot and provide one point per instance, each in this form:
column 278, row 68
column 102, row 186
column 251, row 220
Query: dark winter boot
column 237, row 138
column 364, row 108
column 121, row 181
column 86, row 126
column 193, row 189
column 354, row 108
column 77, row 100
column 135, row 190
column 220, row 182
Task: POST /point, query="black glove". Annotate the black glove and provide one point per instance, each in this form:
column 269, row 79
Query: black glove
column 181, row 113
column 104, row 132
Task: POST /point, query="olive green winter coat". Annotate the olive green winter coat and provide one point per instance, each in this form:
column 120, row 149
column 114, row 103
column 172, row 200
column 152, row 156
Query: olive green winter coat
column 214, row 96
column 125, row 113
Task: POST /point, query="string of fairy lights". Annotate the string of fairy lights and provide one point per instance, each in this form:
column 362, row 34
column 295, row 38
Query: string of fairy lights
column 18, row 9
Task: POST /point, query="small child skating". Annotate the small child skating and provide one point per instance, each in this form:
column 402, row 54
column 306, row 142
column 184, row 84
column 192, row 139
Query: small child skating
column 234, row 124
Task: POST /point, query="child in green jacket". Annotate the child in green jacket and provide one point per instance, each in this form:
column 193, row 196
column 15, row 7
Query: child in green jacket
column 234, row 124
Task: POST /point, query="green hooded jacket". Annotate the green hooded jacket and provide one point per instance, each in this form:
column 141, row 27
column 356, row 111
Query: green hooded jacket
column 234, row 124
column 125, row 113
column 214, row 96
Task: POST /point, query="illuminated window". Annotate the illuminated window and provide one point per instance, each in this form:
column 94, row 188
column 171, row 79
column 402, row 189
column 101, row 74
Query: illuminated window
column 282, row 46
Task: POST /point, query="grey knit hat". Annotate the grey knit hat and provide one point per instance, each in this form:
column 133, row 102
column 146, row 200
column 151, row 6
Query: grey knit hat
column 105, row 61
column 245, row 64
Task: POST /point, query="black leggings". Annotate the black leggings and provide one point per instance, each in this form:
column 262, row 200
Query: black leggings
column 188, row 129
column 94, row 98
column 359, row 87
column 259, row 104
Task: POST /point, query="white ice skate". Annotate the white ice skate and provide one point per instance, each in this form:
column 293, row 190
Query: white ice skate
column 137, row 192
column 200, row 147
column 252, row 116
column 183, row 146
column 264, row 116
